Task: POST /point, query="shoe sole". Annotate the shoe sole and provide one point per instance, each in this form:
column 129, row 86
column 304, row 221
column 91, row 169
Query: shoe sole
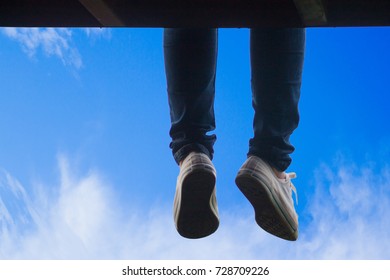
column 268, row 213
column 196, row 218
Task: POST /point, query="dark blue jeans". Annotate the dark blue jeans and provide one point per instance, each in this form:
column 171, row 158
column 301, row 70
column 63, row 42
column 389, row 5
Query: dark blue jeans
column 276, row 66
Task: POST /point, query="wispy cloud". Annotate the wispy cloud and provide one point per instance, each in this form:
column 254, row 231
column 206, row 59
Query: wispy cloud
column 82, row 218
column 51, row 41
column 56, row 42
column 350, row 213
column 98, row 33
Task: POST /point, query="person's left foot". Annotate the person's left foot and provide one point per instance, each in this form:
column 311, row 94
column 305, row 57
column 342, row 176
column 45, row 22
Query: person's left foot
column 195, row 204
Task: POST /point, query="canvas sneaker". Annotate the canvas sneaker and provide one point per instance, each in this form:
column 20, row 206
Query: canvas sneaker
column 270, row 196
column 195, row 204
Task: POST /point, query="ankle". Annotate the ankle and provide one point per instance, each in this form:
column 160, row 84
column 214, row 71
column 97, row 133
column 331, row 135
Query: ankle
column 279, row 174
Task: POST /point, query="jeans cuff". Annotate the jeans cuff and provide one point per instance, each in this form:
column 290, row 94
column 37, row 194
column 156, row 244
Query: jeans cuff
column 184, row 151
column 280, row 163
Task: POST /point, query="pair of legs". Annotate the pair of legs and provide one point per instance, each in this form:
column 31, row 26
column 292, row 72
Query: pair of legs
column 276, row 74
column 276, row 69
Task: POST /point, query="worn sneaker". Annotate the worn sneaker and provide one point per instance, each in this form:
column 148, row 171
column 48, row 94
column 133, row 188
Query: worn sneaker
column 195, row 205
column 270, row 196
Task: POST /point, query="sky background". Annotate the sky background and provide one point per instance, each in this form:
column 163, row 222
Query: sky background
column 85, row 166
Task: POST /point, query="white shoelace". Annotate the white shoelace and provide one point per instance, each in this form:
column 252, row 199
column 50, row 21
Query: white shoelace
column 289, row 177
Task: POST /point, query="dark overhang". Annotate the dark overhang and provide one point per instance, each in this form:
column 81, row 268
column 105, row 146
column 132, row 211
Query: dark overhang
column 194, row 13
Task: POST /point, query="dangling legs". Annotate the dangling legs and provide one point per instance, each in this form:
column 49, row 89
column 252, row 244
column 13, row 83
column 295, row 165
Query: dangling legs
column 276, row 63
column 190, row 64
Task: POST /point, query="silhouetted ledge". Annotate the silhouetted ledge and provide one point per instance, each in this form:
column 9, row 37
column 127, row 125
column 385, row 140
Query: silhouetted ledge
column 194, row 13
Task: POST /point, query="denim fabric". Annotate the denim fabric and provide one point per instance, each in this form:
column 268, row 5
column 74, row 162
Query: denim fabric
column 276, row 62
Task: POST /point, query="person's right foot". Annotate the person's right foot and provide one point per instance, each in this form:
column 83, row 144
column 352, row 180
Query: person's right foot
column 270, row 197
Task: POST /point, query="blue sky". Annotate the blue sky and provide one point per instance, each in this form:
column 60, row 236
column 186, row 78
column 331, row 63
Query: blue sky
column 86, row 171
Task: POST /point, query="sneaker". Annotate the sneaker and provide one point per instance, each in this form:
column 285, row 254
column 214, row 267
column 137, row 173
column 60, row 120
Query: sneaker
column 270, row 196
column 195, row 205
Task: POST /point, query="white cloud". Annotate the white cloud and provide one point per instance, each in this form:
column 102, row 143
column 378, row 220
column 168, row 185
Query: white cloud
column 82, row 218
column 350, row 214
column 57, row 42
column 98, row 33
column 52, row 41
